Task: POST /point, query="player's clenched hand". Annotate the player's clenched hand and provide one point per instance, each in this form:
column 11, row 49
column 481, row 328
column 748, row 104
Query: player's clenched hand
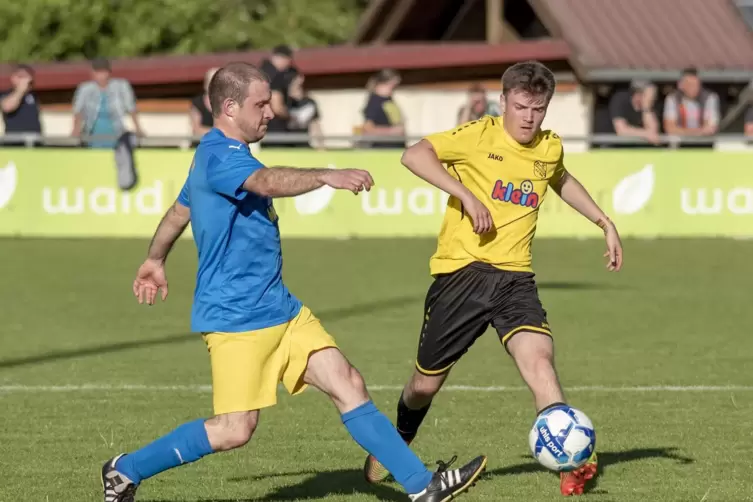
column 480, row 215
column 614, row 248
column 354, row 180
column 150, row 278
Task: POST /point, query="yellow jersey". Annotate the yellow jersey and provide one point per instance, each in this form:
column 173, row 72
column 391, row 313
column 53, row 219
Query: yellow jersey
column 510, row 179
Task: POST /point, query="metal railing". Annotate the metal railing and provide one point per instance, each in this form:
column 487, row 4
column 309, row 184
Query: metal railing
column 357, row 141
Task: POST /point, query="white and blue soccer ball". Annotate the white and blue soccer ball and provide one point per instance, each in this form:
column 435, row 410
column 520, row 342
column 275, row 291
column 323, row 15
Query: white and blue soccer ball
column 562, row 438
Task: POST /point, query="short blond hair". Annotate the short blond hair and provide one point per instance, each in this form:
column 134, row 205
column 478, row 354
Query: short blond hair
column 232, row 81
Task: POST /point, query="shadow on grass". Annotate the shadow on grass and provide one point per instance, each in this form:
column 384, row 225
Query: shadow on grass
column 331, row 315
column 606, row 460
column 317, row 486
column 321, row 485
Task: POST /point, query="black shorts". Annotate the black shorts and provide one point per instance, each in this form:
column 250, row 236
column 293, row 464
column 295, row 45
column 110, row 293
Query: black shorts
column 461, row 305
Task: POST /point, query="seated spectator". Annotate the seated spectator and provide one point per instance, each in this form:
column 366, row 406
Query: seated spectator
column 19, row 104
column 632, row 112
column 101, row 104
column 749, row 122
column 382, row 116
column 201, row 110
column 477, row 106
column 304, row 114
column 691, row 111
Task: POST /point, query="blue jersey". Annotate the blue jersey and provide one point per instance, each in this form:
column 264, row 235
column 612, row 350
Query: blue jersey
column 239, row 282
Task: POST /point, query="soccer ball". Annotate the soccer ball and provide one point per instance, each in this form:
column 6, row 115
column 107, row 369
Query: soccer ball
column 562, row 438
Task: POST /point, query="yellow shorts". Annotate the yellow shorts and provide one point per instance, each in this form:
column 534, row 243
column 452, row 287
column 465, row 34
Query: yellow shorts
column 247, row 367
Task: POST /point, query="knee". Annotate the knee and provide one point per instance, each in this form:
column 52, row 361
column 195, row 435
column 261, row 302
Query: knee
column 425, row 387
column 232, row 430
column 356, row 382
column 348, row 389
column 532, row 350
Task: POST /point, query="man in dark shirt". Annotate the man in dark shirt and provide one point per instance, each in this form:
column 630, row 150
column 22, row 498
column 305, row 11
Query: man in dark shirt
column 632, row 112
column 749, row 122
column 382, row 116
column 200, row 112
column 280, row 70
column 19, row 105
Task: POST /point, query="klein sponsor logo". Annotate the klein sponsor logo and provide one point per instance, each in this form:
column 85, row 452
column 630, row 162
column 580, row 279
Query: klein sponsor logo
column 523, row 196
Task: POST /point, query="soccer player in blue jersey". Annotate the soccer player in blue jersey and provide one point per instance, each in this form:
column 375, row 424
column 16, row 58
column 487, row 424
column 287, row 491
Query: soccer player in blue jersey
column 257, row 332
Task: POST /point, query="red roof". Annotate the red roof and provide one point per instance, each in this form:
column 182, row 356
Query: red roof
column 315, row 61
column 613, row 37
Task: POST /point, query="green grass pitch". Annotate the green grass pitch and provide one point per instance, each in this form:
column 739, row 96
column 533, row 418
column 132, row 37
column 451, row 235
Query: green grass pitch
column 660, row 356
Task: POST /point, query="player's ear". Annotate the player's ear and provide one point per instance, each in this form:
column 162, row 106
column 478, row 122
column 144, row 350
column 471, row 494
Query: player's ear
column 230, row 107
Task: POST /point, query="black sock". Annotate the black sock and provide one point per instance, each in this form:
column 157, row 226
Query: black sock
column 408, row 421
column 553, row 405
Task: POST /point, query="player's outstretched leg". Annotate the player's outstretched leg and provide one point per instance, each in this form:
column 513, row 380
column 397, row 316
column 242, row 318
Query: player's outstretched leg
column 412, row 407
column 329, row 371
column 122, row 475
column 534, row 356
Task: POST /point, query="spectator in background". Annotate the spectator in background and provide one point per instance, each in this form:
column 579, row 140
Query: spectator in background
column 691, row 110
column 101, row 104
column 304, row 114
column 749, row 122
column 477, row 106
column 20, row 106
column 201, row 110
column 382, row 116
column 281, row 72
column 632, row 112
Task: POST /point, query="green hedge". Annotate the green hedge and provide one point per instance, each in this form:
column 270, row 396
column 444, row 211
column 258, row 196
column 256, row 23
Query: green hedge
column 58, row 30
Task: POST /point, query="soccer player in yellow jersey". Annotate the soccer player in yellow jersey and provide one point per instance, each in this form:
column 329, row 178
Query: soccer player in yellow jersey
column 497, row 171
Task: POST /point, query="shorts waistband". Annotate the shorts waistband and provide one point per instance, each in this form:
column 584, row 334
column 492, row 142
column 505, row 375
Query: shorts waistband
column 483, row 267
column 488, row 268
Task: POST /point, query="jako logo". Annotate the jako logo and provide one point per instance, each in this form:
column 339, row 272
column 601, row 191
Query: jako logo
column 103, row 201
column 634, row 191
column 8, row 182
column 420, row 201
column 523, row 196
column 738, row 200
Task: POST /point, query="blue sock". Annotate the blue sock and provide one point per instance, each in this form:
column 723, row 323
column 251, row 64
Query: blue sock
column 186, row 444
column 376, row 434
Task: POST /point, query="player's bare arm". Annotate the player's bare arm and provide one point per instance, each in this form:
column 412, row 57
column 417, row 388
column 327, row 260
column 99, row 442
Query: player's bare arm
column 151, row 277
column 422, row 160
column 577, row 197
column 290, row 181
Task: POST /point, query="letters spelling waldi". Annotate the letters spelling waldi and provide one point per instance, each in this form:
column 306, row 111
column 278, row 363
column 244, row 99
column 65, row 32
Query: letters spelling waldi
column 648, row 193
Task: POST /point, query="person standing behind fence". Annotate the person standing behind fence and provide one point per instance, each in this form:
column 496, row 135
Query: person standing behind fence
column 632, row 114
column 477, row 105
column 691, row 111
column 281, row 72
column 100, row 106
column 20, row 105
column 200, row 112
column 304, row 115
column 382, row 116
